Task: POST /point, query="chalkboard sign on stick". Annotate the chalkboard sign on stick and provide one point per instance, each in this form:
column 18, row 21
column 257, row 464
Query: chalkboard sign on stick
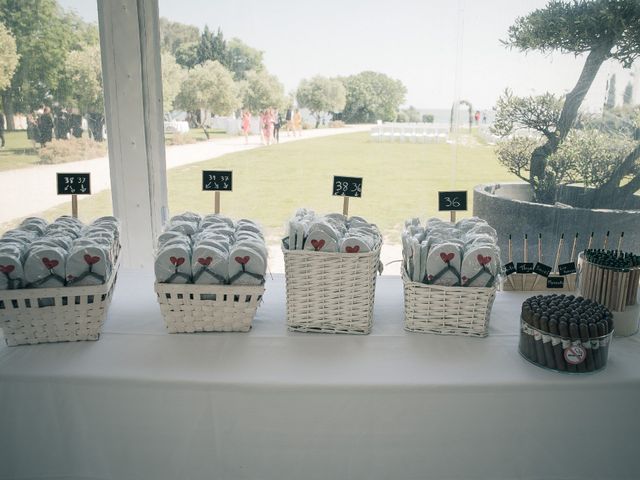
column 454, row 201
column 73, row 184
column 347, row 187
column 217, row 181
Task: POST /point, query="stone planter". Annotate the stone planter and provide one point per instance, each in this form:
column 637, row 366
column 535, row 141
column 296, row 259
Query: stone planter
column 507, row 207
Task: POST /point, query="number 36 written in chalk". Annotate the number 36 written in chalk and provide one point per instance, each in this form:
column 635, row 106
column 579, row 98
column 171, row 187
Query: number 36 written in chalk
column 347, row 186
column 448, row 201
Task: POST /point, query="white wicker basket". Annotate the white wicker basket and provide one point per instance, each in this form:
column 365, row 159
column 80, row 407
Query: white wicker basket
column 447, row 310
column 61, row 314
column 330, row 292
column 189, row 308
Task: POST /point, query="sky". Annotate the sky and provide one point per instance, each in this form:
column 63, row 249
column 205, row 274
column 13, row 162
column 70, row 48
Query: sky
column 440, row 50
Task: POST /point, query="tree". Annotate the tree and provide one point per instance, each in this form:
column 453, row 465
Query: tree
column 44, row 35
column 261, row 90
column 428, row 118
column 320, row 95
column 81, row 84
column 627, row 96
column 212, row 47
column 610, row 104
column 186, row 54
column 8, row 57
column 175, row 34
column 209, row 86
column 372, row 96
column 172, row 77
column 413, row 115
column 241, row 58
column 601, row 29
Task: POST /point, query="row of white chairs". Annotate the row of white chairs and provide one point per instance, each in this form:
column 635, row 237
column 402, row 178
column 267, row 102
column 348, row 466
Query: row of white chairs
column 410, row 132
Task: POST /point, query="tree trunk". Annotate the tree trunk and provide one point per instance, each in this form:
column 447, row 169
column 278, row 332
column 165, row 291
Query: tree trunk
column 206, row 133
column 7, row 106
column 545, row 191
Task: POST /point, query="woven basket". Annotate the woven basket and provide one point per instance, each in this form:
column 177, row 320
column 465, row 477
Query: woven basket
column 330, row 292
column 189, row 308
column 60, row 314
column 447, row 310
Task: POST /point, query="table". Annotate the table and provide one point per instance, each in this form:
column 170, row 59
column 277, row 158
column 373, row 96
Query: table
column 272, row 404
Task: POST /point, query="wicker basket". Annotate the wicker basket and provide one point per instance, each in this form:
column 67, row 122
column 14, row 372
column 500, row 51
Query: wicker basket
column 60, row 314
column 189, row 308
column 330, row 292
column 447, row 310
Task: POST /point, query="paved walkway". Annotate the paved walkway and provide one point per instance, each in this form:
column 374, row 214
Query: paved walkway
column 27, row 191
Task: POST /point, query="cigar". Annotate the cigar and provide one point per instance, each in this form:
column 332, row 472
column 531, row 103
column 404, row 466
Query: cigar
column 595, row 344
column 566, row 343
column 537, row 321
column 586, row 344
column 603, row 348
column 574, row 332
column 557, row 345
column 546, row 343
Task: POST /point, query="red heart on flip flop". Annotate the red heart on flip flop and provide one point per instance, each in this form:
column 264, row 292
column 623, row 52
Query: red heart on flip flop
column 242, row 260
column 355, row 249
column 205, row 261
column 317, row 244
column 7, row 268
column 177, row 261
column 447, row 257
column 91, row 260
column 482, row 260
column 50, row 264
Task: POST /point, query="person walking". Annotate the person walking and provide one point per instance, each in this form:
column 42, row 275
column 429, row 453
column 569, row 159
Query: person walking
column 297, row 123
column 246, row 125
column 267, row 126
column 2, row 129
column 33, row 133
column 45, row 126
column 277, row 123
column 289, row 119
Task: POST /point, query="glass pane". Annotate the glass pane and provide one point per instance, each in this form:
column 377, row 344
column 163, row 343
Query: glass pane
column 52, row 109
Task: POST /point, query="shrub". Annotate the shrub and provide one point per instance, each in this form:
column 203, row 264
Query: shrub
column 74, row 149
column 179, row 138
column 336, row 124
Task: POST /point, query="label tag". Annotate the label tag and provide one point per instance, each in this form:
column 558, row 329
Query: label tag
column 542, row 269
column 575, row 354
column 217, row 180
column 509, row 269
column 347, row 186
column 74, row 183
column 522, row 267
column 452, row 201
column 567, row 268
column 555, row 282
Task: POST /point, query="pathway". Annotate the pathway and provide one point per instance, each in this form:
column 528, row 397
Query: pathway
column 27, row 191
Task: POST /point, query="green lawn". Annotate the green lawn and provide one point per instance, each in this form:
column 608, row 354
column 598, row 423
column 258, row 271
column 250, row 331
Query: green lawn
column 400, row 180
column 20, row 153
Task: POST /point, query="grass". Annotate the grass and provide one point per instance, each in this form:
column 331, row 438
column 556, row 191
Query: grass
column 399, row 180
column 19, row 152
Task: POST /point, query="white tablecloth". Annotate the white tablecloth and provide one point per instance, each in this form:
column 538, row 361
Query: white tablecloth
column 270, row 404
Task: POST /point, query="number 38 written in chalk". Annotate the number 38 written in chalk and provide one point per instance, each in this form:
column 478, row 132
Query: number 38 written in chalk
column 347, row 186
column 74, row 183
column 448, row 201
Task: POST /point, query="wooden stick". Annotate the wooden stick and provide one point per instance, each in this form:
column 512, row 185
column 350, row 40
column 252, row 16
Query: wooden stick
column 74, row 206
column 555, row 265
column 510, row 250
column 453, row 216
column 217, row 202
column 573, row 248
column 526, row 257
column 590, row 241
column 606, row 240
column 540, row 247
column 620, row 240
column 345, row 207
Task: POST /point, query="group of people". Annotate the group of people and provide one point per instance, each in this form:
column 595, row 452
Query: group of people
column 270, row 123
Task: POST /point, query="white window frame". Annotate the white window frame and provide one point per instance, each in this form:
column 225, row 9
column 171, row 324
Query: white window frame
column 132, row 79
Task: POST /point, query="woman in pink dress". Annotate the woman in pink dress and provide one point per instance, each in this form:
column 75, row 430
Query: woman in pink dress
column 246, row 124
column 267, row 126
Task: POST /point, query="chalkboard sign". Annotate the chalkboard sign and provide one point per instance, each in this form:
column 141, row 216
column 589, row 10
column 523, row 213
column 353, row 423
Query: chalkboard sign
column 452, row 201
column 217, row 180
column 74, row 184
column 542, row 269
column 509, row 268
column 567, row 268
column 347, row 186
column 555, row 282
column 522, row 267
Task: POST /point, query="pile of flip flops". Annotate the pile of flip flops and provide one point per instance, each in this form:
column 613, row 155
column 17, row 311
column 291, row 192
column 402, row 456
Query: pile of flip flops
column 331, row 233
column 442, row 253
column 211, row 250
column 65, row 252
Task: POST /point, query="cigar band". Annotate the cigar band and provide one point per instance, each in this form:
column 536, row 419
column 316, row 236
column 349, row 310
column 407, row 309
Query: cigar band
column 546, row 338
column 604, row 341
column 565, row 343
column 537, row 335
column 555, row 340
column 595, row 344
column 586, row 344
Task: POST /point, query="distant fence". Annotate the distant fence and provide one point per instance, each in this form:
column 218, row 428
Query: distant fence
column 410, row 132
